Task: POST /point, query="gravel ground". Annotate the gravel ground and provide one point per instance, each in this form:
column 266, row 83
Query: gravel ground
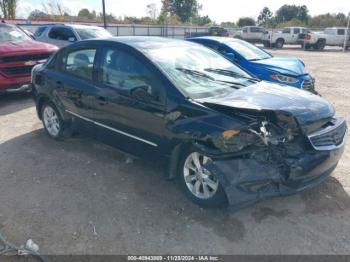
column 82, row 197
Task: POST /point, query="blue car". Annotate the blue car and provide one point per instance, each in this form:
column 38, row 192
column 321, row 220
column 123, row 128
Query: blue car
column 283, row 70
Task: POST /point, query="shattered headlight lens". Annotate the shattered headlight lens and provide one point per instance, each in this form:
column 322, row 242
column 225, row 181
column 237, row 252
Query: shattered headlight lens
column 284, row 78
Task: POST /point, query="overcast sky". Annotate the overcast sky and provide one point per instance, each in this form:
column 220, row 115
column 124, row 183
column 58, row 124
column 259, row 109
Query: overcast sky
column 218, row 10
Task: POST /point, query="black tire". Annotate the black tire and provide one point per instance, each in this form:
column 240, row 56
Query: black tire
column 320, row 45
column 266, row 44
column 64, row 130
column 307, row 47
column 219, row 198
column 279, row 43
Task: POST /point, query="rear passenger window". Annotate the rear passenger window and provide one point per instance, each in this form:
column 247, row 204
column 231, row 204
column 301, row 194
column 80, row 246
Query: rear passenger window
column 80, row 63
column 61, row 33
column 341, row 31
column 255, row 29
column 39, row 31
column 296, row 30
column 124, row 72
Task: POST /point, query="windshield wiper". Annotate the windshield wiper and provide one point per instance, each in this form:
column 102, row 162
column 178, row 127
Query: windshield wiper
column 230, row 73
column 195, row 72
column 258, row 59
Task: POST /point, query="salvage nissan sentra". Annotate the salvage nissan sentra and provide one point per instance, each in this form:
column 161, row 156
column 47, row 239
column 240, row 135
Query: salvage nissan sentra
column 228, row 137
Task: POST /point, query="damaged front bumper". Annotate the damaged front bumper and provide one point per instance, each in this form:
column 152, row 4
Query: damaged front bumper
column 249, row 180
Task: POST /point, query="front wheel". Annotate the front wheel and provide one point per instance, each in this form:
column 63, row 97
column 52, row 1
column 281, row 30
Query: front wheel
column 266, row 44
column 199, row 184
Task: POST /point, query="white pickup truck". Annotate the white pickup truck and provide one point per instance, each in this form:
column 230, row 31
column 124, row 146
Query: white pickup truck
column 288, row 35
column 252, row 34
column 332, row 36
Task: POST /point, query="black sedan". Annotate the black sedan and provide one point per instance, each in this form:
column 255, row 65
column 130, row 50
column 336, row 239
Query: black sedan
column 229, row 138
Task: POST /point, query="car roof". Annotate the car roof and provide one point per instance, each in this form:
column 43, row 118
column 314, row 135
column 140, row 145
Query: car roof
column 71, row 25
column 144, row 42
column 217, row 39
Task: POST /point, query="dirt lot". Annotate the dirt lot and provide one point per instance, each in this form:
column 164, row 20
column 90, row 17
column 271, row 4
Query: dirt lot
column 82, row 197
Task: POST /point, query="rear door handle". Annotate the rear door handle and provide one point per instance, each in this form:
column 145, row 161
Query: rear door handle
column 102, row 100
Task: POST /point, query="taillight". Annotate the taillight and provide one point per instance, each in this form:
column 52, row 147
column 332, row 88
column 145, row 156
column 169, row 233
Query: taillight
column 307, row 37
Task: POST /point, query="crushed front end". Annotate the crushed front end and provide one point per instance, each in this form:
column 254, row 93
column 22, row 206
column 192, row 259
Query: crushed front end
column 275, row 155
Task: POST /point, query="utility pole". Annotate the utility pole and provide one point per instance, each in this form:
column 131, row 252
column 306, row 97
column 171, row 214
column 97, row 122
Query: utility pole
column 104, row 14
column 347, row 33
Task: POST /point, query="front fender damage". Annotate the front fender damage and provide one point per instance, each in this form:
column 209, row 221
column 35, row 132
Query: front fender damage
column 262, row 175
column 245, row 181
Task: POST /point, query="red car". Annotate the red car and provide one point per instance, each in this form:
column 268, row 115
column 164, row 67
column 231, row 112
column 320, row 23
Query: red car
column 18, row 55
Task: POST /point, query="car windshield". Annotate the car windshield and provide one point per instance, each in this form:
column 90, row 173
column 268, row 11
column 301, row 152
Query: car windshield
column 12, row 34
column 198, row 71
column 248, row 51
column 93, row 32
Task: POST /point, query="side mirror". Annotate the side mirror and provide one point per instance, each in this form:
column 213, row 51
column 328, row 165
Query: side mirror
column 140, row 93
column 72, row 39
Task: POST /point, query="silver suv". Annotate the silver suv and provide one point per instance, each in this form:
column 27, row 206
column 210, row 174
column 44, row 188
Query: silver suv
column 64, row 34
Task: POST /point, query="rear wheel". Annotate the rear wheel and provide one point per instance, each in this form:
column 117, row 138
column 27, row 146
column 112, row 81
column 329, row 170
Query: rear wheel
column 53, row 123
column 279, row 43
column 320, row 45
column 199, row 184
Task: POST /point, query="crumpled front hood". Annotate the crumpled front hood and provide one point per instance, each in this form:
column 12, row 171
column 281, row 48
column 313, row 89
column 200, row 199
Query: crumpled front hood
column 29, row 46
column 285, row 65
column 304, row 106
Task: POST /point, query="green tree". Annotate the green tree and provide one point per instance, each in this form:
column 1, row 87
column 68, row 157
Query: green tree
column 245, row 21
column 264, row 16
column 303, row 13
column 8, row 8
column 37, row 14
column 288, row 12
column 202, row 20
column 184, row 9
column 87, row 14
column 228, row 24
column 328, row 20
column 109, row 17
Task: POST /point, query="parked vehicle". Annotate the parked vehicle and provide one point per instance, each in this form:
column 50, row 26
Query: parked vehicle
column 226, row 135
column 64, row 34
column 18, row 54
column 213, row 31
column 289, row 35
column 252, row 34
column 283, row 70
column 334, row 36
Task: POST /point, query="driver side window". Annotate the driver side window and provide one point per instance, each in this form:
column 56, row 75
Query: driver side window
column 124, row 72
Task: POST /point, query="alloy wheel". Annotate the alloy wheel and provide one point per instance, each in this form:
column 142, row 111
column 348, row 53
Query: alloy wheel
column 200, row 182
column 51, row 121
